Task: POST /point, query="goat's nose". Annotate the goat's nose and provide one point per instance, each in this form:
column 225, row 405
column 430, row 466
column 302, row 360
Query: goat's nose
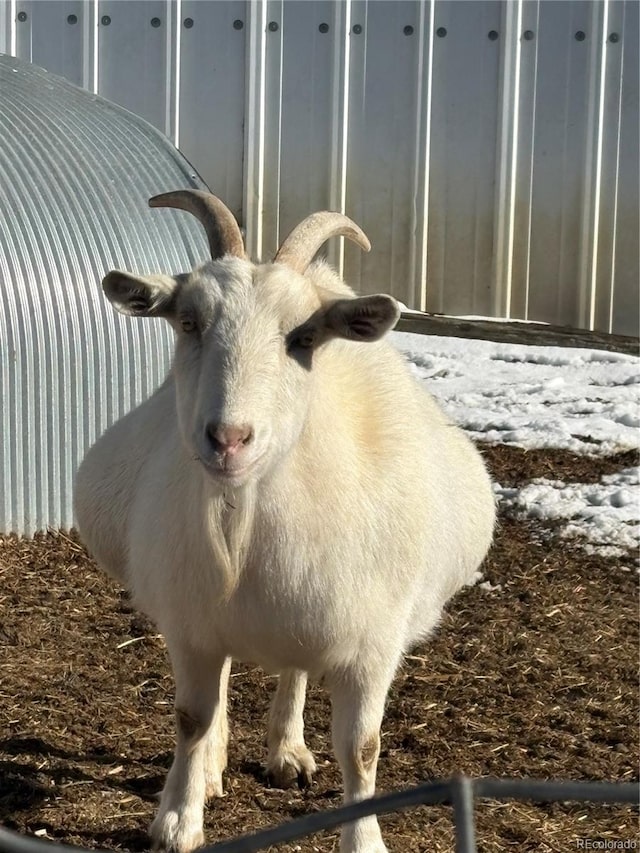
column 228, row 439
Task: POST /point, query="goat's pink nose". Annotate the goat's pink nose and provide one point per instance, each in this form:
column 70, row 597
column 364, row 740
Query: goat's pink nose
column 229, row 439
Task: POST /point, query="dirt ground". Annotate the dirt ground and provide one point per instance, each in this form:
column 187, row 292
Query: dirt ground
column 537, row 677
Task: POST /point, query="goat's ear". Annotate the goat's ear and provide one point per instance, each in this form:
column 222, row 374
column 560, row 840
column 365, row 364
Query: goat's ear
column 140, row 296
column 366, row 318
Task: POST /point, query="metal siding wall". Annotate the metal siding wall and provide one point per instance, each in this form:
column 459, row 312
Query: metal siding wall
column 494, row 176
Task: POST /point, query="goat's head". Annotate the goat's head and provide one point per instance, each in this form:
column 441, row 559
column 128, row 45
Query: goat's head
column 248, row 335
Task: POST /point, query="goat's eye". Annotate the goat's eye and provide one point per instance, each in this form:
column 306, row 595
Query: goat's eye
column 188, row 324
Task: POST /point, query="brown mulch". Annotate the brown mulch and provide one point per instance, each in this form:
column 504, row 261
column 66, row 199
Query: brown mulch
column 513, row 466
column 537, row 677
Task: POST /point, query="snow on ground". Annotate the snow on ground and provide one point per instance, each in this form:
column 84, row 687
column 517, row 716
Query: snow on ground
column 585, row 401
column 602, row 516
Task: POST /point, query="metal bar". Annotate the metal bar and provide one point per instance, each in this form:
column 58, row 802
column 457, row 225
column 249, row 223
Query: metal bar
column 545, row 791
column 463, row 793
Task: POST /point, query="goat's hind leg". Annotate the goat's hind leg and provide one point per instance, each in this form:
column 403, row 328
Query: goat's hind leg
column 289, row 762
column 178, row 825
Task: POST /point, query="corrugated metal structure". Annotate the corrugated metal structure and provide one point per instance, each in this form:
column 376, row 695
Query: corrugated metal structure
column 488, row 147
column 75, row 175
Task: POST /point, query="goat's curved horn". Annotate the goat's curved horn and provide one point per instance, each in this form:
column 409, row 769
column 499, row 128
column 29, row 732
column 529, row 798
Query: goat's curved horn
column 222, row 229
column 300, row 246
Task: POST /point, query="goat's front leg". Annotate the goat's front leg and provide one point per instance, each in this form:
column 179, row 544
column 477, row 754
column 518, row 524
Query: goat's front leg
column 216, row 753
column 289, row 761
column 178, row 826
column 358, row 698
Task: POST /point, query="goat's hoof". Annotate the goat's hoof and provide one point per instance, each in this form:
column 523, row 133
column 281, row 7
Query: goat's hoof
column 289, row 768
column 214, row 789
column 173, row 832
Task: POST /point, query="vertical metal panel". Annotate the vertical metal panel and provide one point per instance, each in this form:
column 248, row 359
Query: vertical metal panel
column 463, row 157
column 606, row 174
column 325, row 140
column 135, row 57
column 53, row 34
column 522, row 32
column 339, row 123
column 625, row 302
column 255, row 126
column 386, row 65
column 554, row 101
column 615, row 39
column 606, row 161
column 7, row 27
column 271, row 150
column 306, row 110
column 212, row 92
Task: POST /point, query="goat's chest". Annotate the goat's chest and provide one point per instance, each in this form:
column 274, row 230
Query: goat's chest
column 293, row 603
column 299, row 599
column 313, row 580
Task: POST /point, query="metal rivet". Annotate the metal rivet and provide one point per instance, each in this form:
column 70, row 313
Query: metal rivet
column 357, row 29
column 580, row 36
column 188, row 23
column 614, row 37
column 22, row 17
column 441, row 32
column 324, row 28
column 155, row 22
column 238, row 24
column 408, row 30
column 528, row 35
column 493, row 35
column 72, row 19
column 105, row 20
column 273, row 26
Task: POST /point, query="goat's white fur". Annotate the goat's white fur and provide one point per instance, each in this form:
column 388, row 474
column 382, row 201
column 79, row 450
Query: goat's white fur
column 366, row 509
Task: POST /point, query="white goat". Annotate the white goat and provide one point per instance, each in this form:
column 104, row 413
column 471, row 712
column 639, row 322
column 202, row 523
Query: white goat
column 290, row 496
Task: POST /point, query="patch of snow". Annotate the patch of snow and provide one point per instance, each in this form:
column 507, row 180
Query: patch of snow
column 582, row 400
column 603, row 517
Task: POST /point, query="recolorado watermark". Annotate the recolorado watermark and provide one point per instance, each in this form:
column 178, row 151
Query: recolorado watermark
column 606, row 844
